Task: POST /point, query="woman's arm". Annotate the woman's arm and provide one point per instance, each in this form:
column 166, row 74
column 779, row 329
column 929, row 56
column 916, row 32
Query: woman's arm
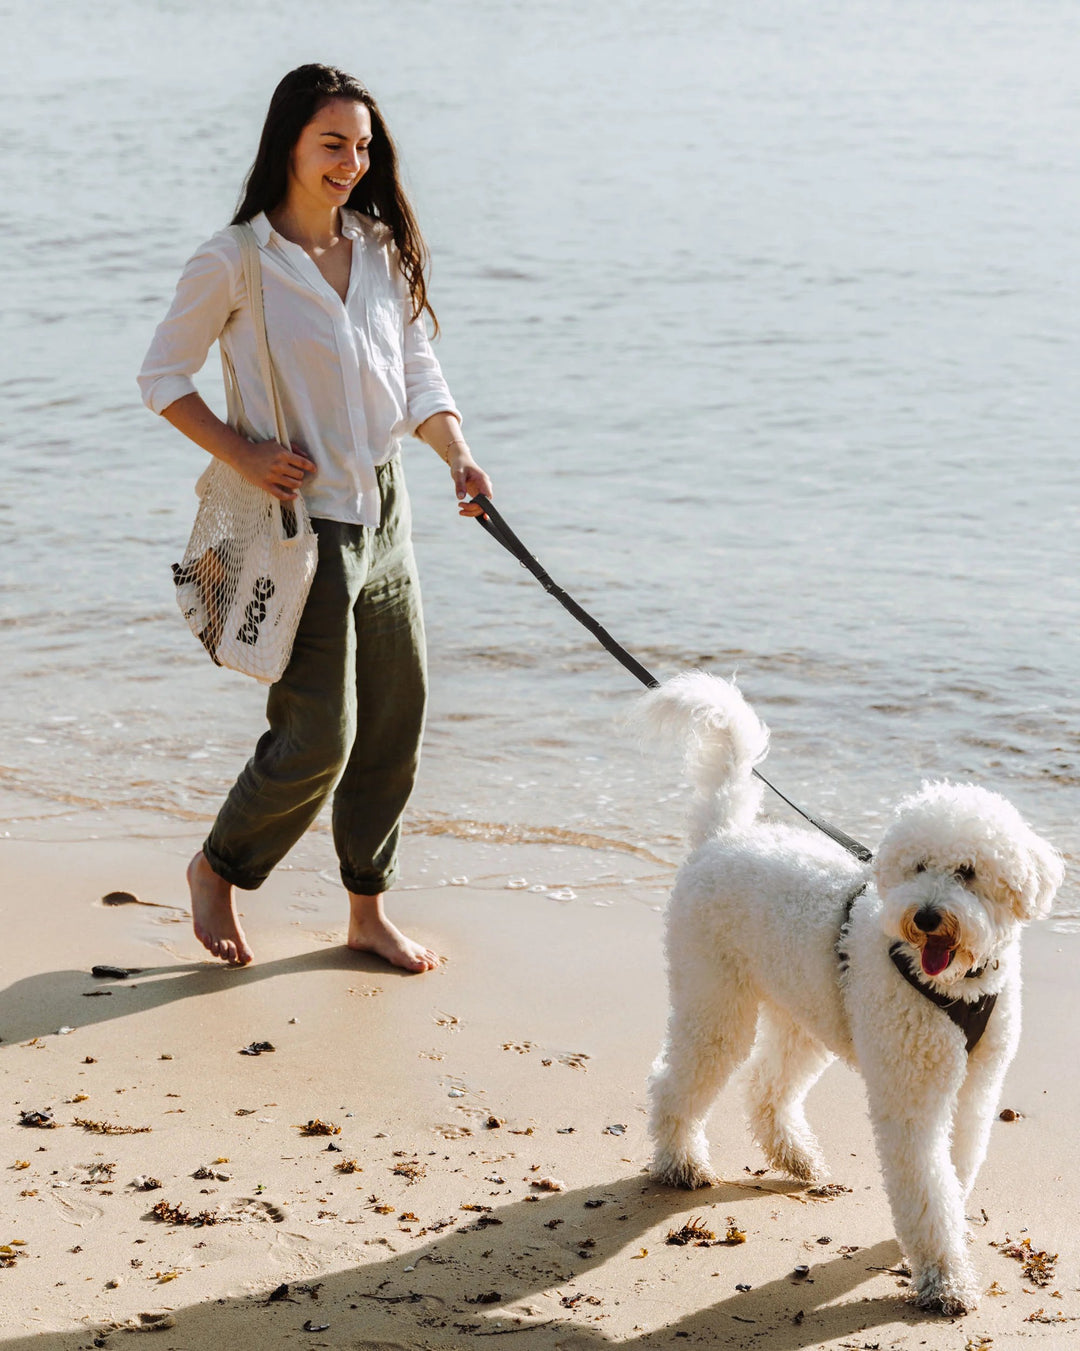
column 206, row 296
column 267, row 464
column 442, row 432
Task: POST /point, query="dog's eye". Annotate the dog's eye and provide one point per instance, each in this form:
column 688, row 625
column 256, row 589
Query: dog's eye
column 965, row 874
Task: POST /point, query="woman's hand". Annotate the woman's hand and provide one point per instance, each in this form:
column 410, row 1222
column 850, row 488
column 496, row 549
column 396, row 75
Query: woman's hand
column 278, row 471
column 442, row 432
column 267, row 464
column 469, row 478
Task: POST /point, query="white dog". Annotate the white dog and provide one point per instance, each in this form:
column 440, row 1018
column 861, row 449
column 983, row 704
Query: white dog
column 782, row 931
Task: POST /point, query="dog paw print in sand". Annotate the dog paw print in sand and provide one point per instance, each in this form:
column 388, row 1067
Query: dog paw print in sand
column 574, row 1060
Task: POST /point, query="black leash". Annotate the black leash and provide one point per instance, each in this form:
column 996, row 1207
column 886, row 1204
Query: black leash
column 497, row 528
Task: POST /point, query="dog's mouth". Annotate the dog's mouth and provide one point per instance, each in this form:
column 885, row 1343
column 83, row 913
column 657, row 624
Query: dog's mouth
column 937, row 953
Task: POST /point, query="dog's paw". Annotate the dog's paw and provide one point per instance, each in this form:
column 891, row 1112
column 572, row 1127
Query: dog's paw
column 799, row 1164
column 686, row 1173
column 952, row 1298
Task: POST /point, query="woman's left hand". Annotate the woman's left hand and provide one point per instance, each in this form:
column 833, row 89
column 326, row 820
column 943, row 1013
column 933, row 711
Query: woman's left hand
column 469, row 479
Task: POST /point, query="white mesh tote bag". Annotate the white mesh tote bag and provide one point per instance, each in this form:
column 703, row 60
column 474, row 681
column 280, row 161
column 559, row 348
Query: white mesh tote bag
column 249, row 563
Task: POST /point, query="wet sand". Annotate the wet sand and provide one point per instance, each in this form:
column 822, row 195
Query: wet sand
column 453, row 1097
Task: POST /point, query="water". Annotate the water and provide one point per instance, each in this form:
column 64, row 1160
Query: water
column 762, row 318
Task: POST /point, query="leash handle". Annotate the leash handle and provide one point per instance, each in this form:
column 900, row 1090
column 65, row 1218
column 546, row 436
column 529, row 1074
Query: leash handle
column 498, row 529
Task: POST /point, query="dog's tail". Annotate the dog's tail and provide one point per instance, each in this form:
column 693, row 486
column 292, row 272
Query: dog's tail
column 724, row 740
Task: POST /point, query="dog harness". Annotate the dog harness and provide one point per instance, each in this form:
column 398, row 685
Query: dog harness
column 970, row 1016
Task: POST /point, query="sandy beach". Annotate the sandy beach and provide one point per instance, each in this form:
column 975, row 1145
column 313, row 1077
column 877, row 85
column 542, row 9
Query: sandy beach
column 484, row 1174
column 754, row 313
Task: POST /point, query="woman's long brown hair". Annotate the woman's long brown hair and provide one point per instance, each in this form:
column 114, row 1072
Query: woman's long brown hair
column 379, row 193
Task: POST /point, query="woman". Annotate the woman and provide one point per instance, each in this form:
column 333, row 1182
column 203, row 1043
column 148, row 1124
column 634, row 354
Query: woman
column 345, row 299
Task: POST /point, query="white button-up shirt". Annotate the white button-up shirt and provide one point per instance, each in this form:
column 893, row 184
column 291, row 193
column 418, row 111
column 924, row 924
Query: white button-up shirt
column 354, row 377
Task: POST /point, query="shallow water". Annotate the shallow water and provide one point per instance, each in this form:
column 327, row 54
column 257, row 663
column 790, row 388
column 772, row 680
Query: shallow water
column 762, row 320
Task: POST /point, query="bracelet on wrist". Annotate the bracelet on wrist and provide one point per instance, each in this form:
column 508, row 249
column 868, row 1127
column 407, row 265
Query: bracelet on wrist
column 457, row 441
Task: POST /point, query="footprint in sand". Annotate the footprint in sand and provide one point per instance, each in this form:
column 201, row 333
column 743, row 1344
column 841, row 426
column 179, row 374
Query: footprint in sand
column 299, row 1254
column 251, row 1208
column 74, row 1210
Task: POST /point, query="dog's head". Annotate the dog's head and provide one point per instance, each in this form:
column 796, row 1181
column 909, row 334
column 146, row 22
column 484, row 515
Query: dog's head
column 957, row 872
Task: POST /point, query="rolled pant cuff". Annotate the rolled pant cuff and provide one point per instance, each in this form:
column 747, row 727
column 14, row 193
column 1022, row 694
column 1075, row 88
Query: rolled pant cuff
column 234, row 877
column 371, row 885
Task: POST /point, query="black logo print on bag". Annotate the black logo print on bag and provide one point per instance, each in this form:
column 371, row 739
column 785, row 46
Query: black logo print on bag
column 255, row 610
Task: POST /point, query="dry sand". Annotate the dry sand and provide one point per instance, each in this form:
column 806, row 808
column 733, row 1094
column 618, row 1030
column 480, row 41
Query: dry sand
column 456, row 1093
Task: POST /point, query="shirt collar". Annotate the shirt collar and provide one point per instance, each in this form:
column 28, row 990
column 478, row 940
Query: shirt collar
column 263, row 229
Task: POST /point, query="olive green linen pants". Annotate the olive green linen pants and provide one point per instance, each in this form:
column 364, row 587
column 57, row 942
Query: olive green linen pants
column 350, row 704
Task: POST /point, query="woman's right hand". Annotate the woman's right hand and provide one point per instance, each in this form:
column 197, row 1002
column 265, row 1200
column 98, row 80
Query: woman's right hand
column 275, row 469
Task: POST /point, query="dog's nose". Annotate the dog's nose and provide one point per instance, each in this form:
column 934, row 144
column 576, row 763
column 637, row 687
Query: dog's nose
column 927, row 919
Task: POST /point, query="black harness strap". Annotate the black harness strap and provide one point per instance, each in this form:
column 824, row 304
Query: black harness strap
column 497, row 528
column 841, row 942
column 971, row 1017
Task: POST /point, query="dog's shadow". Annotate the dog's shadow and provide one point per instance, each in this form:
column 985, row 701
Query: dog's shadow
column 39, row 1005
column 424, row 1296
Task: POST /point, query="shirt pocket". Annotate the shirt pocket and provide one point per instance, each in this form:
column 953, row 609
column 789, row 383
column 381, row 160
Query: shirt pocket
column 386, row 332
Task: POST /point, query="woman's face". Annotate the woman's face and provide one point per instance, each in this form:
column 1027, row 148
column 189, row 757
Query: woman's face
column 331, row 155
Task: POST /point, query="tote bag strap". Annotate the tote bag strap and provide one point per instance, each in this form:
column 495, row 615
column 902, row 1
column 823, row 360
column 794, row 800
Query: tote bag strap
column 249, row 255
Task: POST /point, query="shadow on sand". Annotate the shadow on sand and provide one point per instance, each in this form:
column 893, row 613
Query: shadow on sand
column 38, row 1005
column 472, row 1282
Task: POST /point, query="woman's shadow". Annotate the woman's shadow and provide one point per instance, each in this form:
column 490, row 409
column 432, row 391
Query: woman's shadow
column 39, row 1005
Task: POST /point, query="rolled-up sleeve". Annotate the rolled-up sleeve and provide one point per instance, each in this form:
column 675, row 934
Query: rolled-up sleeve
column 204, row 300
column 426, row 391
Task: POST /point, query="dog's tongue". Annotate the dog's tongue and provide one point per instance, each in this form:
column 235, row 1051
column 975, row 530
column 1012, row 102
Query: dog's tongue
column 936, row 955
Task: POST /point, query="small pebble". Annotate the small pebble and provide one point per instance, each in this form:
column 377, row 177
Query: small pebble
column 801, row 1272
column 459, row 881
column 563, row 894
column 516, row 884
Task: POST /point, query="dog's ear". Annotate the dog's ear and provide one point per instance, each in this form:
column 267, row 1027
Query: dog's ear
column 895, row 861
column 1043, row 873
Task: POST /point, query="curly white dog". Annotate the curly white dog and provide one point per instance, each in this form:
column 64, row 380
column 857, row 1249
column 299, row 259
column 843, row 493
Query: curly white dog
column 898, row 967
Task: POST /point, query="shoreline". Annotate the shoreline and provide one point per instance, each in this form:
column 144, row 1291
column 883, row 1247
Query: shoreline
column 544, row 1019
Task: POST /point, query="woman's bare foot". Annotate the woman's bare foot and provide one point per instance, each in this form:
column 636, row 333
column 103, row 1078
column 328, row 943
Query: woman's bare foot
column 371, row 931
column 213, row 914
